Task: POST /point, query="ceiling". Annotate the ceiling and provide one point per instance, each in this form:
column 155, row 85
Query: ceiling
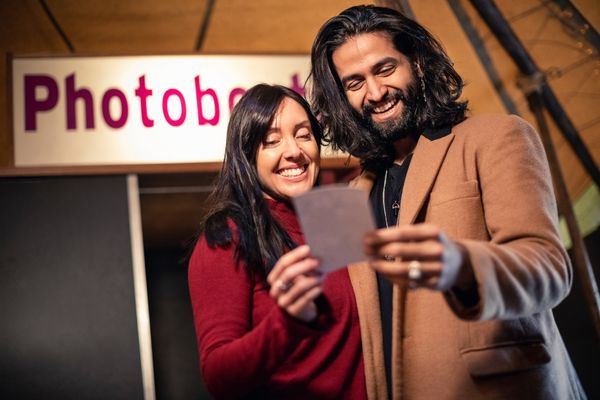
column 172, row 203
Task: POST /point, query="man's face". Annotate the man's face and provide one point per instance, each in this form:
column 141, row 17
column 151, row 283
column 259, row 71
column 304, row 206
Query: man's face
column 378, row 82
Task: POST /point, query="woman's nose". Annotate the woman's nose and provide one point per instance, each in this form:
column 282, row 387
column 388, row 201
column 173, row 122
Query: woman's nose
column 292, row 150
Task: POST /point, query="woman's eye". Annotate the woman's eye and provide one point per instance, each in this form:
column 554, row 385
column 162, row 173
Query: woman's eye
column 304, row 135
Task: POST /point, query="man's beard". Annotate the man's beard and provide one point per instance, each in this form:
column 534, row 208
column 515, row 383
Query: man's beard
column 398, row 128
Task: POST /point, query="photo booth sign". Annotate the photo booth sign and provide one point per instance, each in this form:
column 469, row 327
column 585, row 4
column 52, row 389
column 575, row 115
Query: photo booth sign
column 80, row 111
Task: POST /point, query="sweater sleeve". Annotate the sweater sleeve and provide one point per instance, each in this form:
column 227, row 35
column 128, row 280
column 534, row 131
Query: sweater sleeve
column 235, row 357
column 523, row 269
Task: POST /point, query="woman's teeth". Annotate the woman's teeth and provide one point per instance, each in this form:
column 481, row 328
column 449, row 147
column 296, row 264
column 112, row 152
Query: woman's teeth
column 291, row 172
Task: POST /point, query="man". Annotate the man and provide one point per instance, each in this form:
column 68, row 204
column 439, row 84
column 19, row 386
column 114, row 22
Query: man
column 471, row 265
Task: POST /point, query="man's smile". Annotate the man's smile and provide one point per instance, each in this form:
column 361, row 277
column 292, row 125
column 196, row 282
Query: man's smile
column 386, row 106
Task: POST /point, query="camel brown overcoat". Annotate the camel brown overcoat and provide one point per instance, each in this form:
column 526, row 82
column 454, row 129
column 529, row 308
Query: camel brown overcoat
column 487, row 185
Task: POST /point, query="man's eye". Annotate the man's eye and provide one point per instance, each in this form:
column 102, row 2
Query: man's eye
column 386, row 71
column 354, row 85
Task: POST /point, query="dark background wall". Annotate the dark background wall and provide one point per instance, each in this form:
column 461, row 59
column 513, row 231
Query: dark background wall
column 174, row 350
column 67, row 313
column 574, row 321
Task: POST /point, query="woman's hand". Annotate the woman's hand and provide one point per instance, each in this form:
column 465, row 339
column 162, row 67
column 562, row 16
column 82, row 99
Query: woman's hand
column 419, row 255
column 296, row 283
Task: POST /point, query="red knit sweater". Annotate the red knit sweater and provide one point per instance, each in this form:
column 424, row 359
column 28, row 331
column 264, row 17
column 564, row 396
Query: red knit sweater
column 249, row 347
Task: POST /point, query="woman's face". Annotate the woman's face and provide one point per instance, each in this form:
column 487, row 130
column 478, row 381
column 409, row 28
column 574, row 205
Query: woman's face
column 287, row 160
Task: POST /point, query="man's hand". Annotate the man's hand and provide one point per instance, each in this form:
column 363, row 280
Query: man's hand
column 418, row 255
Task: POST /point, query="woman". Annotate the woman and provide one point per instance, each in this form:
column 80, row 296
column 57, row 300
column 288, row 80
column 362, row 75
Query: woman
column 268, row 324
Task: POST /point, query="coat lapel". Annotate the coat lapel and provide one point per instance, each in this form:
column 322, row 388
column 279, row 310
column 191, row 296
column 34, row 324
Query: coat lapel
column 424, row 166
column 364, row 283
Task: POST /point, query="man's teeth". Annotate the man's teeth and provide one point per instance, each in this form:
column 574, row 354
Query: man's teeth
column 291, row 172
column 385, row 106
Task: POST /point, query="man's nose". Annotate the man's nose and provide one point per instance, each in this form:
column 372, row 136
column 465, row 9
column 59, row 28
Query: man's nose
column 375, row 90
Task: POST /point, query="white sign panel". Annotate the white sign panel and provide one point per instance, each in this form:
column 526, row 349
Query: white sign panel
column 77, row 111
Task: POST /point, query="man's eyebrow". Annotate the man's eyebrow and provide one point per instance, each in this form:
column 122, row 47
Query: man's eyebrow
column 352, row 77
column 375, row 67
column 383, row 62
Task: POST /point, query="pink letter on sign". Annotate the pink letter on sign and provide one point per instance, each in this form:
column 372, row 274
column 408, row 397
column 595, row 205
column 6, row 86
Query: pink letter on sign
column 33, row 105
column 142, row 93
column 233, row 96
column 165, row 107
column 199, row 94
column 296, row 85
column 82, row 94
column 119, row 122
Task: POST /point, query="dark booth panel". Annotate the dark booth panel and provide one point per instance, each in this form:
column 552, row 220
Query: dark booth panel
column 174, row 350
column 67, row 311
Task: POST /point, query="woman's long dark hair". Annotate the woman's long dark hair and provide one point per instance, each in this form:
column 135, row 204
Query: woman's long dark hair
column 342, row 126
column 238, row 194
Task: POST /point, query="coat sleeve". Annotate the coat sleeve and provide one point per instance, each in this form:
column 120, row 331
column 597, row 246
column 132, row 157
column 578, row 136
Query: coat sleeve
column 524, row 268
column 235, row 357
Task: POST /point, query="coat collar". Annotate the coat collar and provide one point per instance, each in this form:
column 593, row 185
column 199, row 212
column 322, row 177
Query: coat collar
column 427, row 159
column 437, row 133
column 426, row 162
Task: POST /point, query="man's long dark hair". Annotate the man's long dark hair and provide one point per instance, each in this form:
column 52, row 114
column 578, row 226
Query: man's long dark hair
column 342, row 125
column 238, row 195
